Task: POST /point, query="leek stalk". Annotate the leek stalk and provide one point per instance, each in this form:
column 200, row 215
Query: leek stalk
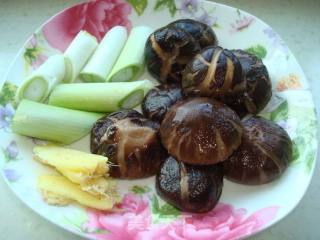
column 52, row 123
column 39, row 84
column 100, row 97
column 102, row 61
column 130, row 63
column 78, row 53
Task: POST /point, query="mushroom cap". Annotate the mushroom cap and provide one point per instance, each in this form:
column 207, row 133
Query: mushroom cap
column 158, row 100
column 188, row 187
column 214, row 72
column 201, row 32
column 263, row 156
column 258, row 85
column 167, row 51
column 130, row 142
column 200, row 131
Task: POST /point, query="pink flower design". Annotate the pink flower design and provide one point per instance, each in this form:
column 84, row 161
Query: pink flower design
column 132, row 220
column 96, row 17
column 222, row 223
column 241, row 24
column 33, row 53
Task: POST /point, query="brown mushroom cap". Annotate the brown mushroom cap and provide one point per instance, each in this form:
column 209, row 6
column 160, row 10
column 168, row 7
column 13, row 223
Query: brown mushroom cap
column 158, row 100
column 167, row 52
column 190, row 188
column 258, row 85
column 200, row 131
column 131, row 143
column 264, row 154
column 199, row 31
column 214, row 72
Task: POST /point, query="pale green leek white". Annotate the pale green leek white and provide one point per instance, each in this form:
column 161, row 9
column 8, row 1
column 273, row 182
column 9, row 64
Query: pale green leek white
column 104, row 58
column 52, row 123
column 100, row 97
column 78, row 53
column 39, row 84
column 130, row 63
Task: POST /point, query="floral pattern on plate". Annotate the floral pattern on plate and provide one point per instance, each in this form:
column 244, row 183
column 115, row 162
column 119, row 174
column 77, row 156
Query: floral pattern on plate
column 133, row 220
column 96, row 17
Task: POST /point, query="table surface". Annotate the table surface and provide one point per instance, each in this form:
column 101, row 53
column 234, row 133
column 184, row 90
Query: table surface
column 298, row 22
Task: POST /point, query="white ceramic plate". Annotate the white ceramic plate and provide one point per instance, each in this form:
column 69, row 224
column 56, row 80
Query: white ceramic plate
column 242, row 210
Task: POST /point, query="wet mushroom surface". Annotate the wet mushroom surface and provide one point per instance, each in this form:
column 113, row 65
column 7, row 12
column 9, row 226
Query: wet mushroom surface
column 167, row 51
column 258, row 85
column 263, row 156
column 201, row 32
column 200, row 131
column 131, row 143
column 190, row 188
column 214, row 72
column 158, row 101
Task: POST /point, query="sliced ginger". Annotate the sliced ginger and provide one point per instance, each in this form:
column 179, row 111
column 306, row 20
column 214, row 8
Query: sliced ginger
column 83, row 179
column 101, row 187
column 77, row 166
column 58, row 190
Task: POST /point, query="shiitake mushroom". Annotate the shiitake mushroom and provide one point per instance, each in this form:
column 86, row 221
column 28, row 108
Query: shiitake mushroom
column 263, row 156
column 167, row 51
column 214, row 72
column 158, row 100
column 131, row 143
column 258, row 85
column 200, row 131
column 190, row 188
column 201, row 32
column 170, row 48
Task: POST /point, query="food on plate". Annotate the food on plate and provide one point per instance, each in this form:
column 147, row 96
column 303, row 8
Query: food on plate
column 263, row 156
column 190, row 188
column 58, row 190
column 214, row 72
column 201, row 32
column 131, row 143
column 101, row 187
column 52, row 123
column 167, row 51
column 158, row 100
column 170, row 48
column 258, row 85
column 77, row 166
column 190, row 135
column 38, row 85
column 200, row 131
column 130, row 64
column 78, row 53
column 89, row 171
column 100, row 97
column 104, row 58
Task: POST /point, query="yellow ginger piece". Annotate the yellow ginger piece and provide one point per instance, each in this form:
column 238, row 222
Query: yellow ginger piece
column 58, row 190
column 77, row 166
column 101, row 187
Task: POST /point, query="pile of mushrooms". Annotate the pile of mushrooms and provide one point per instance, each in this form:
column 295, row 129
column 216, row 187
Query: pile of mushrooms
column 191, row 134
